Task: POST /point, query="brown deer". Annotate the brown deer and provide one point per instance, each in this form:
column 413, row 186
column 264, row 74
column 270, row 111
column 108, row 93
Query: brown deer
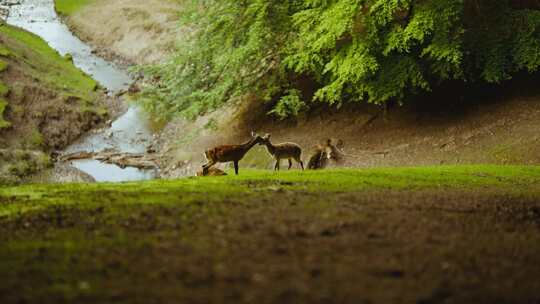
column 325, row 152
column 211, row 172
column 229, row 153
column 321, row 155
column 281, row 151
column 336, row 151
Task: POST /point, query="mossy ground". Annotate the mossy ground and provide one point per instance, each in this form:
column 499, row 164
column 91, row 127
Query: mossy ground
column 398, row 235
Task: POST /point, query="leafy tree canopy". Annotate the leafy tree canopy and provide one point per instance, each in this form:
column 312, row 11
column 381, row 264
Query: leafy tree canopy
column 350, row 50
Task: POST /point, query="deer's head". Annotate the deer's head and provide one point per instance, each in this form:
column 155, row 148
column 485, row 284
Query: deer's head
column 257, row 138
column 333, row 151
column 265, row 139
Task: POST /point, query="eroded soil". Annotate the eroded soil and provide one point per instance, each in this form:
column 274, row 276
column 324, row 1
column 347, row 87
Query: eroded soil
column 130, row 31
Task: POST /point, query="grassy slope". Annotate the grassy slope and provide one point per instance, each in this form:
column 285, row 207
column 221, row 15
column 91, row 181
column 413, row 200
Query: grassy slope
column 426, row 234
column 45, row 64
column 62, row 101
column 69, row 7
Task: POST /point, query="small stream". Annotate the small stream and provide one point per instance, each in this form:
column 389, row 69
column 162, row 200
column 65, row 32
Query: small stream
column 130, row 132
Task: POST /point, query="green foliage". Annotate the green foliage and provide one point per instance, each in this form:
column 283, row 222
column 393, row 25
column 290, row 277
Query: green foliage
column 16, row 164
column 35, row 140
column 3, row 123
column 231, row 52
column 352, row 50
column 289, row 105
column 4, row 89
column 3, row 65
column 504, row 42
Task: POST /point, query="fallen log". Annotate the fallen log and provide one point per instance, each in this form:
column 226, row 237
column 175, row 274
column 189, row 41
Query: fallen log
column 77, row 156
column 121, row 159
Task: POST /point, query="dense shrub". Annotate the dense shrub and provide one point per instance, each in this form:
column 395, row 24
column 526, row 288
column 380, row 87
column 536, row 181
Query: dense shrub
column 351, row 50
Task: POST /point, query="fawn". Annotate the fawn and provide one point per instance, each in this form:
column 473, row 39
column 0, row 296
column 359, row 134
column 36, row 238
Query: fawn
column 281, row 151
column 211, row 172
column 229, row 153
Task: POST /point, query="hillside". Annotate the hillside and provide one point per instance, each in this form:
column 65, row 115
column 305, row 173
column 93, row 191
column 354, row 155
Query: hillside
column 47, row 103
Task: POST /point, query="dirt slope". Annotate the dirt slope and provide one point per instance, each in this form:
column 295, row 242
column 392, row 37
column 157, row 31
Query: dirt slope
column 136, row 31
column 499, row 128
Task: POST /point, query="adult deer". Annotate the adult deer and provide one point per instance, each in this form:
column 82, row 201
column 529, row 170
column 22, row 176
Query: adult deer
column 325, row 152
column 281, row 151
column 321, row 155
column 336, row 153
column 229, row 153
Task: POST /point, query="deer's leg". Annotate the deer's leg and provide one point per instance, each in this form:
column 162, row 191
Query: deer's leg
column 324, row 163
column 290, row 164
column 299, row 160
column 276, row 166
column 236, row 167
column 207, row 166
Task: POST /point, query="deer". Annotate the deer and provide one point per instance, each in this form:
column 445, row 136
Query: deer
column 325, row 152
column 229, row 153
column 319, row 158
column 287, row 150
column 336, row 151
column 211, row 172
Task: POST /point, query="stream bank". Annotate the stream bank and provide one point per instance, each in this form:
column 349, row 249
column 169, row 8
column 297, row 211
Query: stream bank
column 127, row 31
column 130, row 133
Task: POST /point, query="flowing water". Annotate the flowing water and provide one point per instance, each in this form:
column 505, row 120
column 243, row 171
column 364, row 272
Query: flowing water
column 130, row 132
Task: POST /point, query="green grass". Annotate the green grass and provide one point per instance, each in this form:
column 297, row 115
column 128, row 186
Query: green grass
column 46, row 65
column 5, row 52
column 69, row 7
column 509, row 179
column 266, row 235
